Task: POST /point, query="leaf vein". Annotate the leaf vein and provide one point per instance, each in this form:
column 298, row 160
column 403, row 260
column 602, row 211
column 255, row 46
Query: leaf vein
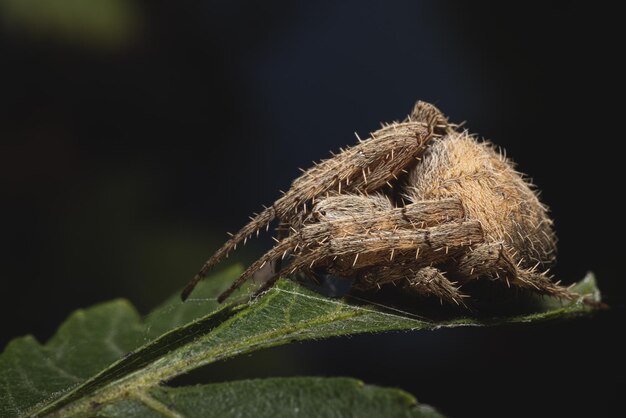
column 109, row 339
column 156, row 405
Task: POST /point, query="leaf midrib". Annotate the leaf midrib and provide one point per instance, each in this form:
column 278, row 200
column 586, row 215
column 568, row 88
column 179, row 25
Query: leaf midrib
column 137, row 381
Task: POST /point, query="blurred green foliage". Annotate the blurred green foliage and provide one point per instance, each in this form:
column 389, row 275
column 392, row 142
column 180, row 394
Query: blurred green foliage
column 106, row 23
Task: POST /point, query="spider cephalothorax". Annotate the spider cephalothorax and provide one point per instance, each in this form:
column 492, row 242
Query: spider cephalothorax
column 419, row 204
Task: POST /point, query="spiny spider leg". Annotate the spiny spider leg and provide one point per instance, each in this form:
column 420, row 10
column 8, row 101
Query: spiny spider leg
column 430, row 281
column 344, row 254
column 540, row 282
column 485, row 260
column 278, row 252
column 366, row 167
column 426, row 281
column 492, row 260
column 329, row 238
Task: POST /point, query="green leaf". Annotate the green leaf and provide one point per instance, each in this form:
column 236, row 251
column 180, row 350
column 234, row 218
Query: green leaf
column 106, row 353
column 276, row 397
column 89, row 341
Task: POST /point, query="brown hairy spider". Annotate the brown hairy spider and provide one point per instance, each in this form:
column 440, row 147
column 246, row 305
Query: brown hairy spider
column 420, row 204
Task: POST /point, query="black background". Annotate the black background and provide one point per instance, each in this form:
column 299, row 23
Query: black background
column 123, row 163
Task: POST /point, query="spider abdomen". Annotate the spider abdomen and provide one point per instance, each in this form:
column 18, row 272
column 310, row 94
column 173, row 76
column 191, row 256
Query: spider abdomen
column 492, row 192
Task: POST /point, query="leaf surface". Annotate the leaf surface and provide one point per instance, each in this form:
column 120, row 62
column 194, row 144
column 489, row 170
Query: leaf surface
column 275, row 397
column 107, row 354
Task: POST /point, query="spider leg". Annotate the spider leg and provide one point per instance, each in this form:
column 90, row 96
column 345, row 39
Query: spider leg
column 430, row 281
column 486, row 260
column 494, row 260
column 539, row 282
column 344, row 255
column 349, row 214
column 427, row 112
column 364, row 168
column 374, row 232
column 426, row 281
column 278, row 252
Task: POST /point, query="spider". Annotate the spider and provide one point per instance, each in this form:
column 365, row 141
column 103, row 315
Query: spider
column 420, row 204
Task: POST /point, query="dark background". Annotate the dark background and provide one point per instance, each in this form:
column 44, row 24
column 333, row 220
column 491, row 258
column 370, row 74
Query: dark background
column 135, row 134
